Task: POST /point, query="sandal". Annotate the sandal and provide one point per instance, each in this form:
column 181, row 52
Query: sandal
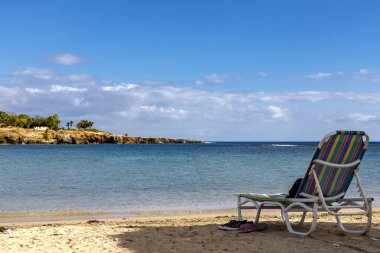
column 248, row 228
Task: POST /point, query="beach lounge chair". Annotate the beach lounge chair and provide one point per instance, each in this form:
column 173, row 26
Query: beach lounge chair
column 335, row 163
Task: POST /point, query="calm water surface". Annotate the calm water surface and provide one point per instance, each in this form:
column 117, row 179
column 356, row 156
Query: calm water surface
column 127, row 178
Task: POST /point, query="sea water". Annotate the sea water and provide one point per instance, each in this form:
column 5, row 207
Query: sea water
column 155, row 177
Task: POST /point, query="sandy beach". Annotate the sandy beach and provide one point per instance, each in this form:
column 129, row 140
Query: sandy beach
column 180, row 233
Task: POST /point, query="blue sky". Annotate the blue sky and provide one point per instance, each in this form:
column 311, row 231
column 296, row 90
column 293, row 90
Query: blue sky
column 212, row 70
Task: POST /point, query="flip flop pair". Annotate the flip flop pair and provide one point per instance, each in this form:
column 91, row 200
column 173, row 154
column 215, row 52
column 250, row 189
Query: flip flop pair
column 255, row 227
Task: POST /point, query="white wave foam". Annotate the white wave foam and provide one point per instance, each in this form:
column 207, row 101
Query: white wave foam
column 284, row 145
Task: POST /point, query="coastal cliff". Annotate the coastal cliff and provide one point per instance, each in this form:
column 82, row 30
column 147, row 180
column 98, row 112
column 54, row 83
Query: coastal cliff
column 15, row 135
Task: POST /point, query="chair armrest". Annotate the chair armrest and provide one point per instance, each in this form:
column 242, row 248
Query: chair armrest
column 335, row 165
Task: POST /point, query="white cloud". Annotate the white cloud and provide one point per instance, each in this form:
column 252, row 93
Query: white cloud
column 370, row 98
column 119, row 87
column 324, row 75
column 9, row 91
column 262, row 73
column 77, row 77
column 320, row 75
column 312, row 96
column 364, row 71
column 35, row 91
column 10, row 97
column 80, row 102
column 215, row 78
column 371, row 75
column 66, row 59
column 362, row 117
column 37, row 73
column 60, row 88
column 278, row 112
column 47, row 75
column 153, row 108
column 153, row 112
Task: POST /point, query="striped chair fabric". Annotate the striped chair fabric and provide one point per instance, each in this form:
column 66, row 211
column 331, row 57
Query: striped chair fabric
column 343, row 148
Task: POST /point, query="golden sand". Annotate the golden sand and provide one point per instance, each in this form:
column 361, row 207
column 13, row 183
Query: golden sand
column 187, row 233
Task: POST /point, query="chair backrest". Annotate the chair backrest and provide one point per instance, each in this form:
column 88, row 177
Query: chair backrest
column 340, row 147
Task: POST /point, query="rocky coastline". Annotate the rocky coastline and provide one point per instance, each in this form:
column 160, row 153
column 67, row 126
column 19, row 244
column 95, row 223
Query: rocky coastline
column 15, row 135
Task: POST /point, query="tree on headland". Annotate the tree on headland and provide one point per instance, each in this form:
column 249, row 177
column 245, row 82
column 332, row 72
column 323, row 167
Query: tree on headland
column 69, row 124
column 53, row 122
column 4, row 118
column 24, row 121
column 84, row 124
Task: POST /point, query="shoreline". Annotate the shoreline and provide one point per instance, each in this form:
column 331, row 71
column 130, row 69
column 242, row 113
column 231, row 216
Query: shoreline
column 7, row 218
column 78, row 216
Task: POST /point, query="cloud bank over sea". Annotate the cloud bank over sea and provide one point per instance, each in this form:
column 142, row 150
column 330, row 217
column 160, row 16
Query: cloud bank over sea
column 164, row 109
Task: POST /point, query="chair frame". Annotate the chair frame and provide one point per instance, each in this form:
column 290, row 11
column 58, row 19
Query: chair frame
column 310, row 203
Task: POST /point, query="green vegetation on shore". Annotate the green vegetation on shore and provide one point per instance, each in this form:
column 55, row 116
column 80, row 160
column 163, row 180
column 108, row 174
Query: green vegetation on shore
column 26, row 121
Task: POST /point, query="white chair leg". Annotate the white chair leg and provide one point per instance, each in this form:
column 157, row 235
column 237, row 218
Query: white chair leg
column 257, row 218
column 313, row 223
column 366, row 227
column 240, row 217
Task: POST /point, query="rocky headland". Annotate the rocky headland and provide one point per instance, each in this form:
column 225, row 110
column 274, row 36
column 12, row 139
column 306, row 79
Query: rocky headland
column 15, row 135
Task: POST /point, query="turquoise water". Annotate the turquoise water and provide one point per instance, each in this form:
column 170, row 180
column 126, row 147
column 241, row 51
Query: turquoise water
column 128, row 178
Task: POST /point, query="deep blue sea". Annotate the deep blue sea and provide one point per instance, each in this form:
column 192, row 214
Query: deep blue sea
column 155, row 177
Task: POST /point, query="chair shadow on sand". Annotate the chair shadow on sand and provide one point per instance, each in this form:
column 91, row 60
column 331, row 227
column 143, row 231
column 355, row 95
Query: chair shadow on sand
column 207, row 238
